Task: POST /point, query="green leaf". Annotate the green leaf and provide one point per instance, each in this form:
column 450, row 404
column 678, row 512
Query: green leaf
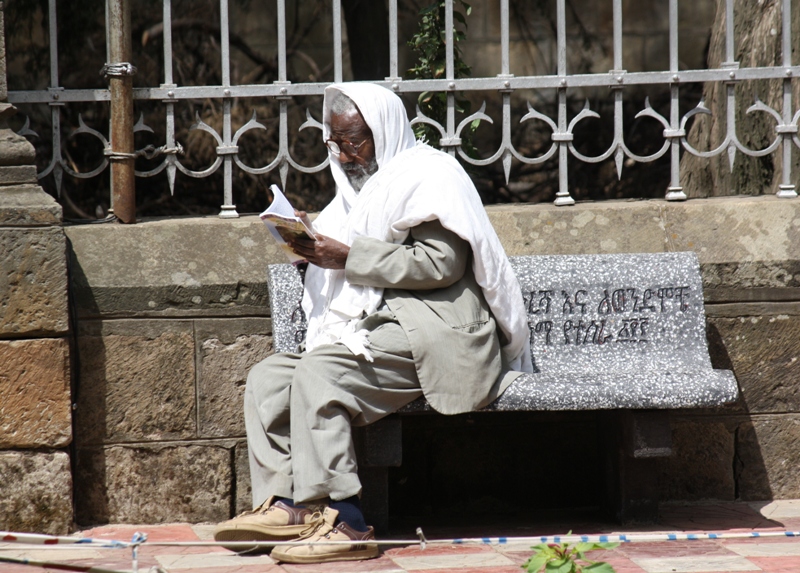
column 599, row 567
column 429, row 45
column 535, row 563
column 592, row 546
column 560, row 566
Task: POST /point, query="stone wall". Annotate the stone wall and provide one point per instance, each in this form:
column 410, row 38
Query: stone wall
column 35, row 401
column 173, row 313
column 532, row 46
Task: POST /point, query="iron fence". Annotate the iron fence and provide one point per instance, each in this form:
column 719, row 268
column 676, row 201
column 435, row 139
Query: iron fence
column 562, row 147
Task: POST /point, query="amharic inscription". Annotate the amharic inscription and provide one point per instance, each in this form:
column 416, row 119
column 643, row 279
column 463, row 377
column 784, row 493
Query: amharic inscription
column 624, row 315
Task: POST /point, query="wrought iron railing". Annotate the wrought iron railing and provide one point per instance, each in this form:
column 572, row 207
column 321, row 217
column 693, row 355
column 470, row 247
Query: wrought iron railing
column 562, row 145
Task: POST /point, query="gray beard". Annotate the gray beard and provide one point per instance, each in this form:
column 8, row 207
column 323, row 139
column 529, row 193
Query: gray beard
column 358, row 175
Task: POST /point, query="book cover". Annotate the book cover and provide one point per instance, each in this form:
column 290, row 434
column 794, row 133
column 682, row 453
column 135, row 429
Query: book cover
column 282, row 223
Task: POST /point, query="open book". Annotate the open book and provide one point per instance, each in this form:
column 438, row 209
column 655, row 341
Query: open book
column 282, row 223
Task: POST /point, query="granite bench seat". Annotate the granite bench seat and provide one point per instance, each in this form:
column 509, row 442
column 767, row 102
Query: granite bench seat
column 623, row 335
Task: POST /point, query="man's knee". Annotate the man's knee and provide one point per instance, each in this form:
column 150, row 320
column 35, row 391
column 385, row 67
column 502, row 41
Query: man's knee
column 262, row 368
column 268, row 377
column 318, row 367
column 323, row 380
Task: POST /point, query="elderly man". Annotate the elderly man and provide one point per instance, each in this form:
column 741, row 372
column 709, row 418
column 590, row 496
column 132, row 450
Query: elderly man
column 408, row 293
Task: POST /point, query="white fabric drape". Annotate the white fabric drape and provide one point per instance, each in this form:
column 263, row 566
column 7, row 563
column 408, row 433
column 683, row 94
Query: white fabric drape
column 414, row 183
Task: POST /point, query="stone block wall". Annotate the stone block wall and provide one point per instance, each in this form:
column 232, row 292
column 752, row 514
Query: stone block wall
column 171, row 317
column 173, row 313
column 35, row 375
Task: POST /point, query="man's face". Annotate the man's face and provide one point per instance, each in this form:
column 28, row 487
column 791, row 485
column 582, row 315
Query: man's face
column 357, row 148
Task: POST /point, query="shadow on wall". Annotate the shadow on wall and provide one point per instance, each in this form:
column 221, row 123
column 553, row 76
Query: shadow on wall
column 90, row 495
column 91, row 484
column 751, row 480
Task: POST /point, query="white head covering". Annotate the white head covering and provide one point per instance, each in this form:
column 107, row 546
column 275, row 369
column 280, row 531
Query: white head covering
column 414, row 183
column 385, row 116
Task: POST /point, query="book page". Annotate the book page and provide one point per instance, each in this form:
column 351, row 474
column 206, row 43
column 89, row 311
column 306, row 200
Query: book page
column 280, row 204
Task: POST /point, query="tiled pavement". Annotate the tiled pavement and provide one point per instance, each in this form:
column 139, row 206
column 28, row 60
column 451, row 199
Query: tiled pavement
column 768, row 554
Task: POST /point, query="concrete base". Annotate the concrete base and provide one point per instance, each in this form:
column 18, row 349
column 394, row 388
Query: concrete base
column 192, row 293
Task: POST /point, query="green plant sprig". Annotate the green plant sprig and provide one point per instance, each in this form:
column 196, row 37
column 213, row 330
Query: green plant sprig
column 430, row 45
column 567, row 558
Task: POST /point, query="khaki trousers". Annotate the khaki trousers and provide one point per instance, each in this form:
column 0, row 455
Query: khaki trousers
column 299, row 409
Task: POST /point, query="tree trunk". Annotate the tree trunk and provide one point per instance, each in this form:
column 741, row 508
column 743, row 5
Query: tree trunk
column 757, row 25
column 368, row 38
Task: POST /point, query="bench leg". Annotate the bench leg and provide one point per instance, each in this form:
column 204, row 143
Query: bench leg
column 635, row 440
column 378, row 447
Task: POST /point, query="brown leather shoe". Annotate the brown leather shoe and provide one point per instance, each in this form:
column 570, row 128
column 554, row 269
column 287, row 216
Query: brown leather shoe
column 317, row 551
column 272, row 521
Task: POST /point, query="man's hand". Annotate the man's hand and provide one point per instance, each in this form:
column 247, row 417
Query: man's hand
column 324, row 252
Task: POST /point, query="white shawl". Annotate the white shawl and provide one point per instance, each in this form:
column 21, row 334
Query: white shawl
column 414, row 183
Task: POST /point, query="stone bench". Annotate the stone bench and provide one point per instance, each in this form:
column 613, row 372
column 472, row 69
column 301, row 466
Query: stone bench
column 624, row 335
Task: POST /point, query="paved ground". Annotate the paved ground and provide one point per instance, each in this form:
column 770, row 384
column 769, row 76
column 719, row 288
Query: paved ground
column 769, row 554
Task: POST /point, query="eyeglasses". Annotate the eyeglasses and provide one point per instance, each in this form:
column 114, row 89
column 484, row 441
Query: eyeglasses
column 344, row 147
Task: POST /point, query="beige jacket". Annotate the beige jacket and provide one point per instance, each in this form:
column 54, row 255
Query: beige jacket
column 430, row 288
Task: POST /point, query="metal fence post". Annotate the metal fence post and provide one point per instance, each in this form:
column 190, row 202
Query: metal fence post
column 787, row 189
column 3, row 83
column 562, row 138
column 120, row 72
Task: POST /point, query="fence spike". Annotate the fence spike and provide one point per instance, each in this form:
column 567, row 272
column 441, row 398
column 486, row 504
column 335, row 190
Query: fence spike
column 731, row 156
column 284, row 171
column 171, row 170
column 58, row 175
